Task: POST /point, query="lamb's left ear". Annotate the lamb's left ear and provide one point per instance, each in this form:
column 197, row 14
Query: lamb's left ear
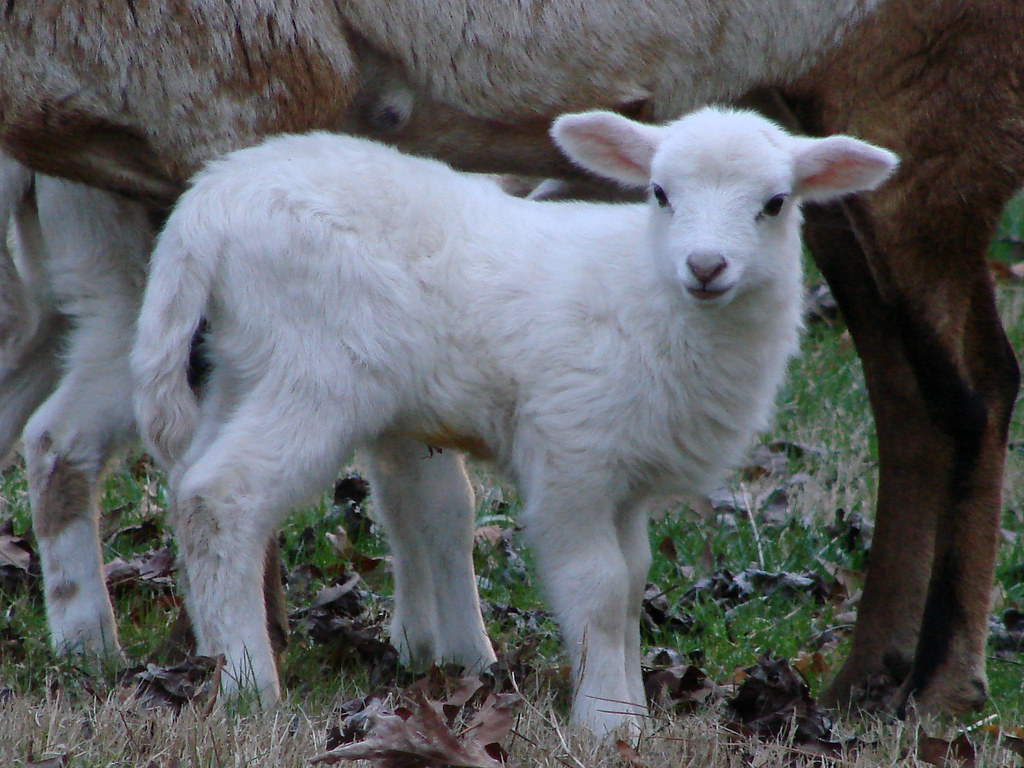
column 838, row 165
column 609, row 145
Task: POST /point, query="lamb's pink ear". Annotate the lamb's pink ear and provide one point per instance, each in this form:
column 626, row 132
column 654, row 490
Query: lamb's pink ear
column 838, row 165
column 609, row 145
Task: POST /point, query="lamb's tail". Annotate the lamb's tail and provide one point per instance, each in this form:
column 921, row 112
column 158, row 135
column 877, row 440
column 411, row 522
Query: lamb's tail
column 177, row 294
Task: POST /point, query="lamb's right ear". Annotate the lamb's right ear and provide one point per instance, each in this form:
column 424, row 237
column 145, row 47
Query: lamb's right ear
column 839, row 165
column 609, row 145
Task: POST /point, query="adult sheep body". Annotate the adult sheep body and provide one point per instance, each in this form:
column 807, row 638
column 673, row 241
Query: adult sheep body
column 601, row 354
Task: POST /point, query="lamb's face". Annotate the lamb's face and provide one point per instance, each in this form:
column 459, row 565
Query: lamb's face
column 725, row 187
column 724, row 215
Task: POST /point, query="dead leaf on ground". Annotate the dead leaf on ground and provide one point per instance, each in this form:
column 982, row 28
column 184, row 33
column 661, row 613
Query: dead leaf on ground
column 18, row 561
column 628, row 754
column 529, row 622
column 681, row 688
column 153, row 567
column 763, row 461
column 194, row 680
column 958, row 753
column 657, row 613
column 773, row 701
column 811, row 661
column 668, row 550
column 730, row 589
column 852, row 531
column 1008, row 738
column 341, row 597
column 337, row 618
column 135, row 535
column 462, row 730
column 349, row 494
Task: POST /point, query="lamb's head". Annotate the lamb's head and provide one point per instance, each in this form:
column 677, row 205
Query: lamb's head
column 724, row 190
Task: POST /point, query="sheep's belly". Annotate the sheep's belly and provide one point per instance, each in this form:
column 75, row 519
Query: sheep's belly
column 444, row 437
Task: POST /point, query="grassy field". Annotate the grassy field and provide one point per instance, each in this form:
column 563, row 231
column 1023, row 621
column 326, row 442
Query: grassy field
column 770, row 566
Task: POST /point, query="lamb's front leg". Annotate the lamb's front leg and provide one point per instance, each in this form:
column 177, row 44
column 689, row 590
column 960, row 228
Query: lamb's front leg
column 425, row 502
column 570, row 524
column 635, row 542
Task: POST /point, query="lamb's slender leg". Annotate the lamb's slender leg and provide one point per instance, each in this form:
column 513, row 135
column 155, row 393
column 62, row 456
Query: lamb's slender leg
column 425, row 502
column 228, row 499
column 96, row 249
column 920, row 304
column 635, row 543
column 570, row 524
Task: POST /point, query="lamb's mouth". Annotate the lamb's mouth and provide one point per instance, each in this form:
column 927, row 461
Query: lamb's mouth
column 705, row 293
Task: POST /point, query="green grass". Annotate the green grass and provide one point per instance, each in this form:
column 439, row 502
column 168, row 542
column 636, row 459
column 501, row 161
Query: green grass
column 823, row 407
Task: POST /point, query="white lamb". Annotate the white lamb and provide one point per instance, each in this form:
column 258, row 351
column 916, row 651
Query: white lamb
column 603, row 355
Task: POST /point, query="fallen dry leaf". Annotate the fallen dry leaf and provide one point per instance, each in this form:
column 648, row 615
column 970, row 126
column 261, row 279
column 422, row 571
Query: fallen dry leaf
column 1010, row 738
column 349, row 494
column 958, row 753
column 729, row 589
column 628, row 754
column 14, row 550
column 657, row 613
column 774, row 701
column 421, row 732
column 681, row 688
column 18, row 561
column 154, row 567
column 154, row 687
column 852, row 531
column 337, row 618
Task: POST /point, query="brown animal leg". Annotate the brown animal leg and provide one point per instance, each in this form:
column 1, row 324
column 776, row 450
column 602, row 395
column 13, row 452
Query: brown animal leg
column 932, row 83
column 941, row 436
column 901, row 555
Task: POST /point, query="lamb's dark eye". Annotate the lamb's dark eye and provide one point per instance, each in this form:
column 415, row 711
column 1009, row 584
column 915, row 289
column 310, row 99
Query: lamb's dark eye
column 774, row 206
column 659, row 195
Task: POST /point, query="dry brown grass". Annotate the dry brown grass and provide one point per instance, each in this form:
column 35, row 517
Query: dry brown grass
column 112, row 731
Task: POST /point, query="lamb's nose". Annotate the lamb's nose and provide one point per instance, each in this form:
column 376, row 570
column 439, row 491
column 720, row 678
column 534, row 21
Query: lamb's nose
column 706, row 265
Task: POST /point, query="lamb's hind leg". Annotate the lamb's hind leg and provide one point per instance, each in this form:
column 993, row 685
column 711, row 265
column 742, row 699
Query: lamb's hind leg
column 228, row 497
column 96, row 250
column 425, row 502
